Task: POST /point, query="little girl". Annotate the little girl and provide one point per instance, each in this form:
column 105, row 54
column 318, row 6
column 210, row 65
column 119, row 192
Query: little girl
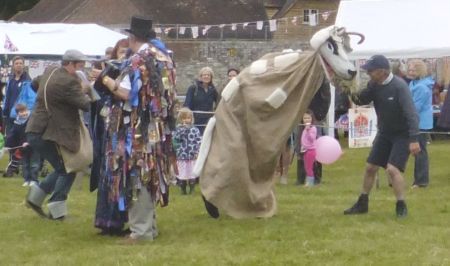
column 308, row 146
column 186, row 140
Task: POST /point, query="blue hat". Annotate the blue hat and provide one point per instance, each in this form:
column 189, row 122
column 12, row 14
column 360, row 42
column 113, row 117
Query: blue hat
column 376, row 62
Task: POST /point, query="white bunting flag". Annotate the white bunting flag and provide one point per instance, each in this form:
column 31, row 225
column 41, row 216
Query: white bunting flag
column 194, row 32
column 313, row 20
column 273, row 25
column 158, row 30
column 233, row 26
column 294, row 20
column 259, row 25
column 245, row 24
column 182, row 30
column 205, row 30
column 325, row 15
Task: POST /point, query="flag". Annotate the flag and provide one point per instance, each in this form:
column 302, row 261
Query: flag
column 313, row 20
column 294, row 20
column 194, row 32
column 167, row 30
column 273, row 24
column 206, row 29
column 233, row 26
column 9, row 46
column 182, row 30
column 325, row 15
column 259, row 25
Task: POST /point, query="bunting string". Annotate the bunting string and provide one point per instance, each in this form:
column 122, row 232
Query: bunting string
column 272, row 24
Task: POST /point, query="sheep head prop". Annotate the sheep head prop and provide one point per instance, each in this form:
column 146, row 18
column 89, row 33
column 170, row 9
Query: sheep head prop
column 258, row 110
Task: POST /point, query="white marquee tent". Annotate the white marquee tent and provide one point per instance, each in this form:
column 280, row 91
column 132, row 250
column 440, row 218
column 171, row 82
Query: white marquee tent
column 398, row 28
column 56, row 38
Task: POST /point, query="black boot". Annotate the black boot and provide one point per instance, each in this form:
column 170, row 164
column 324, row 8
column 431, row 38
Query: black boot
column 360, row 207
column 211, row 209
column 183, row 184
column 191, row 186
column 400, row 209
column 301, row 174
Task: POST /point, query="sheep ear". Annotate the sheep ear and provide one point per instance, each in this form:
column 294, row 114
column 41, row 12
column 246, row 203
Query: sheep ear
column 321, row 37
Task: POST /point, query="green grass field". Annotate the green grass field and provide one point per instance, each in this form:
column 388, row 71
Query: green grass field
column 309, row 228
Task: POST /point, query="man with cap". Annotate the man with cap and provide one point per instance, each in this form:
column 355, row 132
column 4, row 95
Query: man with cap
column 55, row 122
column 147, row 101
column 397, row 134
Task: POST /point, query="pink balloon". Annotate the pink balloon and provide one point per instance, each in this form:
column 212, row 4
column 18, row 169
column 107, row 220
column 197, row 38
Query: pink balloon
column 328, row 150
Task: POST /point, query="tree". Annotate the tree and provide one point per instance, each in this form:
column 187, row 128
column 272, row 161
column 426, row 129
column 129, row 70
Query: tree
column 9, row 8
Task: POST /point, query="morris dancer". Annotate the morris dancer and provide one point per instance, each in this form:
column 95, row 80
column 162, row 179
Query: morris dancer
column 149, row 82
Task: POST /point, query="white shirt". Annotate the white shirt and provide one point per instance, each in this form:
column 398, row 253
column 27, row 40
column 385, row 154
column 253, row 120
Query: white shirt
column 388, row 79
column 126, row 83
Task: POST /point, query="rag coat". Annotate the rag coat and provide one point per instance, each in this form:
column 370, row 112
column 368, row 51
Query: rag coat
column 61, row 123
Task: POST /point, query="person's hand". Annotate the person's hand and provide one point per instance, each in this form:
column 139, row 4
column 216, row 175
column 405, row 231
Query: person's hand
column 25, row 144
column 85, row 87
column 94, row 73
column 307, row 125
column 414, row 148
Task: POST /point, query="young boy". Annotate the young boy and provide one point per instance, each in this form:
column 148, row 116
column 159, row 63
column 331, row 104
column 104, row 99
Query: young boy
column 17, row 138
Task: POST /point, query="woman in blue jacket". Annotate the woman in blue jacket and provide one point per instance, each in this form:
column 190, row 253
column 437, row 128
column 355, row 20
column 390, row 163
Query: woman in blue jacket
column 421, row 86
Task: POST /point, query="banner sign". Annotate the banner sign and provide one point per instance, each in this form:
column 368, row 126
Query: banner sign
column 362, row 127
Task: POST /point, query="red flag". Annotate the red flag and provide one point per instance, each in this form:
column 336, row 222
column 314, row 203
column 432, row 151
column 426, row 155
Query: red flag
column 9, row 46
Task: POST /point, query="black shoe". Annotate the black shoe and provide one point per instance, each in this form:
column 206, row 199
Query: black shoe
column 9, row 173
column 211, row 209
column 37, row 209
column 360, row 207
column 400, row 209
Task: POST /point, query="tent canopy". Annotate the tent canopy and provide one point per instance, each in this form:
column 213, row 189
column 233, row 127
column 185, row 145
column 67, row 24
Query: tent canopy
column 398, row 28
column 56, row 38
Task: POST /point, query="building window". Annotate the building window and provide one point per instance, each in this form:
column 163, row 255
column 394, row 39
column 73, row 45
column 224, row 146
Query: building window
column 309, row 12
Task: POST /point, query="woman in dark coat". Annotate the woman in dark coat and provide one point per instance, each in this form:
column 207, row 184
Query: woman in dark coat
column 202, row 96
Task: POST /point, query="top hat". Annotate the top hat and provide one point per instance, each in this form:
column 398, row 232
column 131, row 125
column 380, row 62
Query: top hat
column 140, row 27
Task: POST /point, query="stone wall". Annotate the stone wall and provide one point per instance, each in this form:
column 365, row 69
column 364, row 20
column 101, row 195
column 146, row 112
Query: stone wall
column 191, row 56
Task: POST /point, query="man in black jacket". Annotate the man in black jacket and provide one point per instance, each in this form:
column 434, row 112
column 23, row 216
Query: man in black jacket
column 397, row 131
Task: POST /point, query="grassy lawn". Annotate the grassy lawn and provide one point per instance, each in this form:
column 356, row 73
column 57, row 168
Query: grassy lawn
column 309, row 228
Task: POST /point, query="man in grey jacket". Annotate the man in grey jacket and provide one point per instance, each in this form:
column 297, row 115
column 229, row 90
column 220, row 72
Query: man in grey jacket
column 397, row 135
